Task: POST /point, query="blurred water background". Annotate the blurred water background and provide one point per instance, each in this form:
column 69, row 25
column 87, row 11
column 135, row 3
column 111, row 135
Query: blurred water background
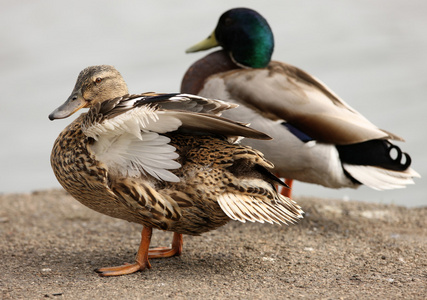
column 371, row 53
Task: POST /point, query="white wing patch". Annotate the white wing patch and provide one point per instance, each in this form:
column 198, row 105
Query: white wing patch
column 127, row 145
column 128, row 155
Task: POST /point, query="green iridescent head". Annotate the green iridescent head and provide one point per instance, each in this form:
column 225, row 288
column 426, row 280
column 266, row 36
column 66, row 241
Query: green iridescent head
column 245, row 34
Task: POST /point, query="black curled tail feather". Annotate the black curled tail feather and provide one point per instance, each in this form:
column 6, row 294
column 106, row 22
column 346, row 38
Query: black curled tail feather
column 406, row 161
column 375, row 153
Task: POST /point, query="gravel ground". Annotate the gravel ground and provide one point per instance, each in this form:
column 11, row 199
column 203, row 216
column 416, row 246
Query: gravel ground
column 341, row 250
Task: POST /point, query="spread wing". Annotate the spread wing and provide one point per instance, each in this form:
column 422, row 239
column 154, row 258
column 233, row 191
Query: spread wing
column 128, row 131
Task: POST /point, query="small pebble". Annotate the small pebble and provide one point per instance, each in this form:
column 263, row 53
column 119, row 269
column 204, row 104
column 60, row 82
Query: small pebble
column 268, row 259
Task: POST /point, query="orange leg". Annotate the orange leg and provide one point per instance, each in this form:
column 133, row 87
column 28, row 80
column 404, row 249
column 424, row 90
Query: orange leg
column 141, row 258
column 175, row 250
column 141, row 261
column 287, row 191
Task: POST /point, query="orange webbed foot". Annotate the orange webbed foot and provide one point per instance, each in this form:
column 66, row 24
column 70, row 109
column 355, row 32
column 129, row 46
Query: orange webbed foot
column 141, row 261
column 124, row 269
column 162, row 252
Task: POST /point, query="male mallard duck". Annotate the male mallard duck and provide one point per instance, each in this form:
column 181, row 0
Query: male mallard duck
column 317, row 137
column 165, row 161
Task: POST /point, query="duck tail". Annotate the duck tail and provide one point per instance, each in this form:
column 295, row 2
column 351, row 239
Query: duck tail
column 378, row 164
column 379, row 178
column 379, row 153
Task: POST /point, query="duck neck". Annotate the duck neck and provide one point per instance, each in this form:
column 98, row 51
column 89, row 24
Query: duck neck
column 213, row 63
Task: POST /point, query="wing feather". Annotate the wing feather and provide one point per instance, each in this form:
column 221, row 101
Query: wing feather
column 187, row 102
column 128, row 131
column 128, row 155
column 211, row 124
column 244, row 204
column 284, row 92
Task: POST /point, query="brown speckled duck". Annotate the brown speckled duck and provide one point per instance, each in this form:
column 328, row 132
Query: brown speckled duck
column 166, row 161
column 317, row 137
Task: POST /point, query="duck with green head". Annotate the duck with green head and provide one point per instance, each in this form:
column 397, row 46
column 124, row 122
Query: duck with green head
column 317, row 137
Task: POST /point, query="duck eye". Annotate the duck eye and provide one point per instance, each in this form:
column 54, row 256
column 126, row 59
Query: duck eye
column 228, row 21
column 98, row 79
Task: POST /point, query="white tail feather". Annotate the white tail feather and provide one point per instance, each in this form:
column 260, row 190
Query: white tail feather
column 381, row 179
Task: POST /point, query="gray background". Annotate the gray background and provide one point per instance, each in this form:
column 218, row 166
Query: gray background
column 371, row 53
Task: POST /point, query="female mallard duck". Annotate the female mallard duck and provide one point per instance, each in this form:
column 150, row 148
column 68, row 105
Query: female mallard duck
column 165, row 161
column 317, row 137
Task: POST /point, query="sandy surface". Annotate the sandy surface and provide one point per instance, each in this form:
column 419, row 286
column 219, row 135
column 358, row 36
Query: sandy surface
column 50, row 245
